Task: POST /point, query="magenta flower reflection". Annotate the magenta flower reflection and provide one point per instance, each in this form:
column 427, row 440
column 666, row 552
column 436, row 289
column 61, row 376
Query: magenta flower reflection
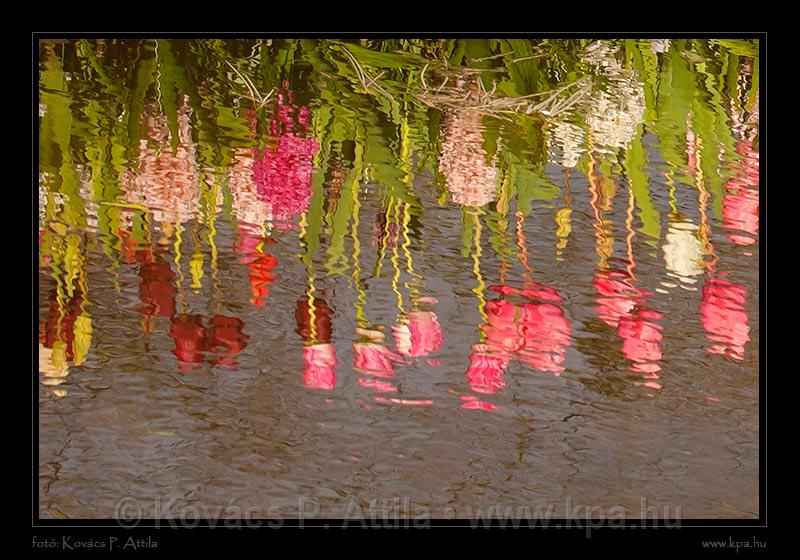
column 282, row 172
column 724, row 317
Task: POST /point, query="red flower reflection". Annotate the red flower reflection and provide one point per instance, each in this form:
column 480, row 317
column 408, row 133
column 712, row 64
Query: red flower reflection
column 223, row 339
column 250, row 247
column 724, row 317
column 226, row 340
column 189, row 335
column 60, row 322
column 156, row 290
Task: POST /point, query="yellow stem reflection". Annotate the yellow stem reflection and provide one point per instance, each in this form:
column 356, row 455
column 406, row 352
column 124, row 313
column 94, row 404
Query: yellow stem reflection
column 605, row 243
column 310, row 287
column 394, row 259
column 702, row 200
column 476, row 267
column 564, row 218
column 629, row 238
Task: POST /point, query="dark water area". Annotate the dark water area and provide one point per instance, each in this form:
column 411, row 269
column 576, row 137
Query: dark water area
column 454, row 276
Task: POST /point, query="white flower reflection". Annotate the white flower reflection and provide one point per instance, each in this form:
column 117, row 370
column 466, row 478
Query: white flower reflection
column 683, row 253
column 471, row 179
column 168, row 183
column 566, row 143
column 613, row 114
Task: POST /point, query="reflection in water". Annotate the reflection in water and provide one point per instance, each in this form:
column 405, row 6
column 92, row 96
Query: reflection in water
column 418, row 334
column 251, row 211
column 64, row 338
column 741, row 200
column 619, row 303
column 722, row 308
column 525, row 325
column 375, row 361
column 186, row 228
column 260, row 264
column 567, row 144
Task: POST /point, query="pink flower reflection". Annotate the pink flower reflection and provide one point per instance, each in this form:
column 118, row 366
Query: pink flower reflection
column 419, row 336
column 486, row 370
column 471, row 402
column 740, row 205
column 320, row 366
column 534, row 333
column 622, row 306
column 724, row 317
column 641, row 343
column 374, row 359
column 376, row 363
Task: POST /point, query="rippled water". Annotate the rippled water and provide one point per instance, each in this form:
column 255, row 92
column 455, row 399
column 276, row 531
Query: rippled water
column 389, row 281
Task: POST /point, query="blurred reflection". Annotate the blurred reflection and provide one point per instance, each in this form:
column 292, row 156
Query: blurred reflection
column 375, row 361
column 659, row 45
column 619, row 303
column 260, row 264
column 525, row 324
column 251, row 211
column 417, row 332
column 371, row 357
column 722, row 309
column 566, row 143
column 683, row 252
column 190, row 337
column 195, row 344
column 64, row 337
column 217, row 344
column 156, row 289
